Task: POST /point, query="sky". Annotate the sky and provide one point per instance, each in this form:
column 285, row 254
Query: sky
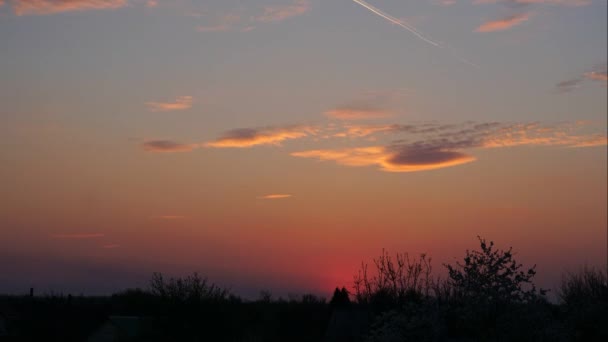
column 277, row 144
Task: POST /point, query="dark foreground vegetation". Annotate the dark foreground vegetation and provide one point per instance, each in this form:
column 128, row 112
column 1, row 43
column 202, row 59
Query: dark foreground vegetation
column 486, row 297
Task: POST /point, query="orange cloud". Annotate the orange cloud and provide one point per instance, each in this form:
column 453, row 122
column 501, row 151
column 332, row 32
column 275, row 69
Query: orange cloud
column 42, row 7
column 503, row 24
column 78, row 236
column 591, row 142
column 529, row 2
column 357, row 113
column 555, row 2
column 438, row 146
column 597, row 76
column 391, row 159
column 169, row 217
column 275, row 196
column 180, row 103
column 280, row 13
column 168, row 146
column 249, row 137
column 110, row 246
column 360, row 131
column 441, row 146
column 533, row 134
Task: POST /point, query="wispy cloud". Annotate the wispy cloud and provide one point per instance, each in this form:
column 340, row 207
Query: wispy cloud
column 275, row 196
column 243, row 20
column 533, row 134
column 169, row 217
column 78, row 236
column 391, row 159
column 444, row 2
column 167, row 146
column 369, row 104
column 504, row 23
column 574, row 3
column 180, row 103
column 593, row 141
column 225, row 22
column 110, row 246
column 249, row 137
column 360, row 131
column 521, row 12
column 598, row 74
column 443, row 145
column 43, row 7
column 357, row 113
column 568, row 85
column 282, row 12
column 601, row 76
column 413, row 147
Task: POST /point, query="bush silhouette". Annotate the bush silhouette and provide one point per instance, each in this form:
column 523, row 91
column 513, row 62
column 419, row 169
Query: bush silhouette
column 340, row 298
column 491, row 293
column 488, row 296
column 394, row 281
column 492, row 275
column 584, row 297
column 189, row 289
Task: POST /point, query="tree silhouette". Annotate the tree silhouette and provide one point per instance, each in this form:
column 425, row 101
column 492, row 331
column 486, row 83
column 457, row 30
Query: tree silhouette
column 493, row 275
column 340, row 298
column 394, row 281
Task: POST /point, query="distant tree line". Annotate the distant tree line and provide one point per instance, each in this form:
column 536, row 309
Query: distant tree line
column 488, row 296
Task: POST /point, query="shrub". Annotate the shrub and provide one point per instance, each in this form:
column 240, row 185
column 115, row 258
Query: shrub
column 493, row 275
column 486, row 292
column 190, row 289
column 584, row 297
column 394, row 281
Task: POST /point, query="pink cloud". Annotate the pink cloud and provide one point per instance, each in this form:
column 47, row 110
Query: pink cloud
column 167, row 146
column 402, row 159
column 78, row 236
column 249, row 137
column 180, row 103
column 357, row 113
column 43, row 7
column 574, row 3
column 504, row 24
column 601, row 76
column 280, row 13
column 275, row 196
column 169, row 217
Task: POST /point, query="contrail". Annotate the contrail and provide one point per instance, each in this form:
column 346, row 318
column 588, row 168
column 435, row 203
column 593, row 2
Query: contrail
column 396, row 21
column 413, row 30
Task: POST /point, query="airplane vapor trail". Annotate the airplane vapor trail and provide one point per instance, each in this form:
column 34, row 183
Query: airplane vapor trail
column 396, row 21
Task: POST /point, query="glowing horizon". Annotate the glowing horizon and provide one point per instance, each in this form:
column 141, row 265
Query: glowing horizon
column 277, row 144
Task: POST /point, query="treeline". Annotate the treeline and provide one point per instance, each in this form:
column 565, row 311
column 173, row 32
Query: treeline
column 488, row 296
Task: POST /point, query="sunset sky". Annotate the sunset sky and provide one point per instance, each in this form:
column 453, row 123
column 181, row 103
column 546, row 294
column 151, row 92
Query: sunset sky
column 276, row 144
